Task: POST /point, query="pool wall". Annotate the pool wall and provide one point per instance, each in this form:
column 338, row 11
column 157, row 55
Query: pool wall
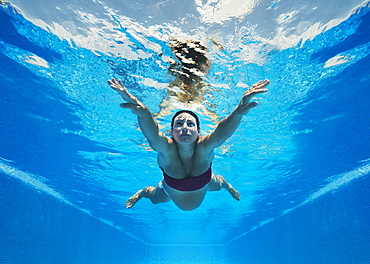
column 332, row 229
column 183, row 254
column 38, row 228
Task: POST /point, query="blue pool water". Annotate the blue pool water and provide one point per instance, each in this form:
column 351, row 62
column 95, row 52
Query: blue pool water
column 70, row 157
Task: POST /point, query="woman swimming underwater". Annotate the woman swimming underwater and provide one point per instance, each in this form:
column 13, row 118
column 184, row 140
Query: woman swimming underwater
column 185, row 158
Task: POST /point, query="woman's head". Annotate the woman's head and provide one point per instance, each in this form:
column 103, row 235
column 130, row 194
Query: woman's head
column 187, row 112
column 185, row 127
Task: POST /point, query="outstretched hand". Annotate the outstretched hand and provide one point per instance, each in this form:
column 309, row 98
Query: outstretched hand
column 134, row 104
column 244, row 105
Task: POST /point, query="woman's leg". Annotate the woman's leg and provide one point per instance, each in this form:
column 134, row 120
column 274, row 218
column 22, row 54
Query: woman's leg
column 217, row 182
column 156, row 195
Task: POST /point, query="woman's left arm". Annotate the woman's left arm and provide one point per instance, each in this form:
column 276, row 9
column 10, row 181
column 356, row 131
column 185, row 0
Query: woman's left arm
column 229, row 124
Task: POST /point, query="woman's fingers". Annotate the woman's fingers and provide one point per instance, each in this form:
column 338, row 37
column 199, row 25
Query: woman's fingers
column 256, row 88
column 260, row 84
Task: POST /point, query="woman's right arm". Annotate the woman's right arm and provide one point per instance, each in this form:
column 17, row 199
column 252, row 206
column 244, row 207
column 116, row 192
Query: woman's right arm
column 157, row 139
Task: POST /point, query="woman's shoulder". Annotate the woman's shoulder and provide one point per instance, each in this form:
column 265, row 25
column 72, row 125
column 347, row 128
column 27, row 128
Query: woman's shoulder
column 203, row 141
column 169, row 150
column 203, row 147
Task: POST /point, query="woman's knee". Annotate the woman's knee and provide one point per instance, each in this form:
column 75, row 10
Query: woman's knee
column 159, row 196
column 215, row 183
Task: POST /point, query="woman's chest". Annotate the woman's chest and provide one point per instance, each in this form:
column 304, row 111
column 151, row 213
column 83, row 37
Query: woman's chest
column 183, row 166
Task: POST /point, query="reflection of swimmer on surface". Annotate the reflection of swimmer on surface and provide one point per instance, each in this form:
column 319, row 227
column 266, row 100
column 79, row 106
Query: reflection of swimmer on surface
column 189, row 67
column 185, row 158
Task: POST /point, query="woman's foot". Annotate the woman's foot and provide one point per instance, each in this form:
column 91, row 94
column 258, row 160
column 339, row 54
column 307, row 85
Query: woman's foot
column 224, row 184
column 234, row 193
column 138, row 195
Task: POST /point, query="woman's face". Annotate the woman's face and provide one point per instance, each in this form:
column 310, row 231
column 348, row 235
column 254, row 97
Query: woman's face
column 185, row 129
